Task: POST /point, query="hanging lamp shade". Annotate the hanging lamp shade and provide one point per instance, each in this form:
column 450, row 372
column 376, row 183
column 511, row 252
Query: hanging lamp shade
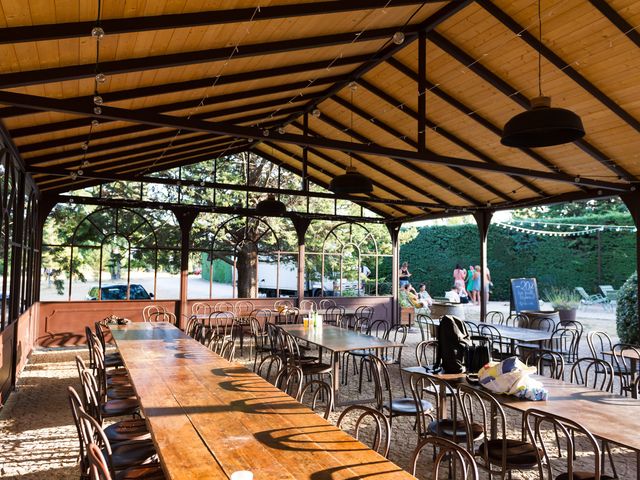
column 542, row 126
column 351, row 182
column 271, row 207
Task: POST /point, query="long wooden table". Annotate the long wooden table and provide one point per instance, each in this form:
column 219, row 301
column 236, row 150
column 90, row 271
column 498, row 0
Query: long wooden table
column 607, row 416
column 209, row 417
column 338, row 340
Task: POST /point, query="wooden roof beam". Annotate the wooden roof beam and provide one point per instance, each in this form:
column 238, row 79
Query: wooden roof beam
column 118, row 26
column 449, row 136
column 559, row 63
column 512, row 93
column 128, row 65
column 468, row 111
column 257, row 133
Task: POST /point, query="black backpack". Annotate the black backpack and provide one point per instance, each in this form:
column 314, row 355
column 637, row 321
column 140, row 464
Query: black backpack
column 453, row 343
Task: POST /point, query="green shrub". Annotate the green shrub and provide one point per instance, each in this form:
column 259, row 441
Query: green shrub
column 627, row 311
column 562, row 298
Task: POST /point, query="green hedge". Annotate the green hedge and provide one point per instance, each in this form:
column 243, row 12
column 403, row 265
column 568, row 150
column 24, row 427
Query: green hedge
column 627, row 311
column 554, row 261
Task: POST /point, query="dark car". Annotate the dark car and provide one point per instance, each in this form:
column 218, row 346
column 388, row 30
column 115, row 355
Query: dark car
column 119, row 292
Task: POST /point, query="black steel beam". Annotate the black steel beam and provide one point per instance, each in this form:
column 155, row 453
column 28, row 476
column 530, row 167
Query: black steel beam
column 118, row 26
column 100, row 134
column 470, row 112
column 449, row 136
column 258, row 133
column 395, row 133
column 446, row 12
column 341, row 166
column 168, row 107
column 113, row 202
column 614, row 17
column 128, row 65
column 563, row 66
column 514, row 94
column 373, row 165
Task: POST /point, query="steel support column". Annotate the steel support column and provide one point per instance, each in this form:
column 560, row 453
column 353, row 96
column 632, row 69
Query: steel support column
column 185, row 218
column 301, row 225
column 16, row 273
column 483, row 220
column 394, row 231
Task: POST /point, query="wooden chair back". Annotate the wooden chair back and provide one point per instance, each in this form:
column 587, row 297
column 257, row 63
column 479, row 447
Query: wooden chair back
column 320, row 392
column 593, row 373
column 461, row 463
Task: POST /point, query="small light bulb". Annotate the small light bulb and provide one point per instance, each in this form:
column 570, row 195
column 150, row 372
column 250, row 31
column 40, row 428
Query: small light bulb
column 85, row 164
column 84, row 146
column 101, row 78
column 74, row 175
column 250, row 140
column 202, row 183
column 97, row 110
column 316, row 112
column 97, row 100
column 577, row 179
column 97, row 32
column 71, row 200
column 353, row 86
column 80, row 173
column 398, row 38
column 281, row 131
column 95, row 123
column 265, row 132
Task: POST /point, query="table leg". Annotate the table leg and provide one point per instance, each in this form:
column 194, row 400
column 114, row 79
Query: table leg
column 513, row 347
column 634, row 374
column 336, row 374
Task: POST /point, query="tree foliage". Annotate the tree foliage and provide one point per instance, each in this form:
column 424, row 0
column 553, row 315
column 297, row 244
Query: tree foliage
column 627, row 311
column 554, row 261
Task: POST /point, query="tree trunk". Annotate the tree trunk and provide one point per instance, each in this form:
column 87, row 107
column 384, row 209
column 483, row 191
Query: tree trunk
column 247, row 266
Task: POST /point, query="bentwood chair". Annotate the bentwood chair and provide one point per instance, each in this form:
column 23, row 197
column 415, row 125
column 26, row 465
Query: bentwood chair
column 148, row 310
column 290, row 380
column 427, row 327
column 546, row 361
column 444, row 419
column 377, row 328
column 320, row 392
column 501, row 349
column 333, row 315
column 384, row 400
column 516, row 320
column 99, row 470
column 495, row 317
column 269, row 368
column 169, row 317
column 393, row 355
column 565, row 341
column 497, row 454
column 121, row 456
column 461, row 463
column 308, row 305
column 592, row 373
column 326, row 303
column 364, row 418
column 624, row 357
column 539, row 422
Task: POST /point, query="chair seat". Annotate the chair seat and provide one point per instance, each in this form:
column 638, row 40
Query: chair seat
column 519, row 453
column 121, row 392
column 359, row 353
column 447, row 427
column 120, row 407
column 316, row 368
column 145, row 472
column 118, row 380
column 583, row 476
column 407, row 406
column 131, row 454
column 127, row 430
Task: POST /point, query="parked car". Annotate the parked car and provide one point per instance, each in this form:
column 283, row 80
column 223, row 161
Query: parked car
column 119, row 292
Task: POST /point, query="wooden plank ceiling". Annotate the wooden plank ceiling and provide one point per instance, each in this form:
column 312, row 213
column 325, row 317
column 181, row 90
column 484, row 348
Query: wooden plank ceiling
column 188, row 80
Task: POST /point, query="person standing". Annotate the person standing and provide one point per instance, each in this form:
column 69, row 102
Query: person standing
column 404, row 274
column 459, row 276
column 475, row 291
column 487, row 282
column 470, row 281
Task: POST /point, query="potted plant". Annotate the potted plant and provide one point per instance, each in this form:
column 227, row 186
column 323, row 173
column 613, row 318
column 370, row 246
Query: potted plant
column 565, row 301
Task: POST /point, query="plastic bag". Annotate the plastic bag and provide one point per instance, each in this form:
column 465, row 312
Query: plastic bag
column 512, row 377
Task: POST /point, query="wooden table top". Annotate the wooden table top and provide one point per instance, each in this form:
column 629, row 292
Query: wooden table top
column 606, row 415
column 338, row 339
column 209, row 417
column 514, row 333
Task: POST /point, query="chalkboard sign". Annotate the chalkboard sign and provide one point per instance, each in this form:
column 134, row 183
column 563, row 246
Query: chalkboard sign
column 524, row 295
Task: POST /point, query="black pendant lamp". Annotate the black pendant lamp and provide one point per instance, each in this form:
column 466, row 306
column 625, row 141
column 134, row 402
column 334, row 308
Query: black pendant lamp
column 271, row 207
column 542, row 126
column 351, row 181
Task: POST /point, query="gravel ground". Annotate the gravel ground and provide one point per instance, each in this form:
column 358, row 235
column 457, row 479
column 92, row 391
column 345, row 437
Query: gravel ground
column 40, row 442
